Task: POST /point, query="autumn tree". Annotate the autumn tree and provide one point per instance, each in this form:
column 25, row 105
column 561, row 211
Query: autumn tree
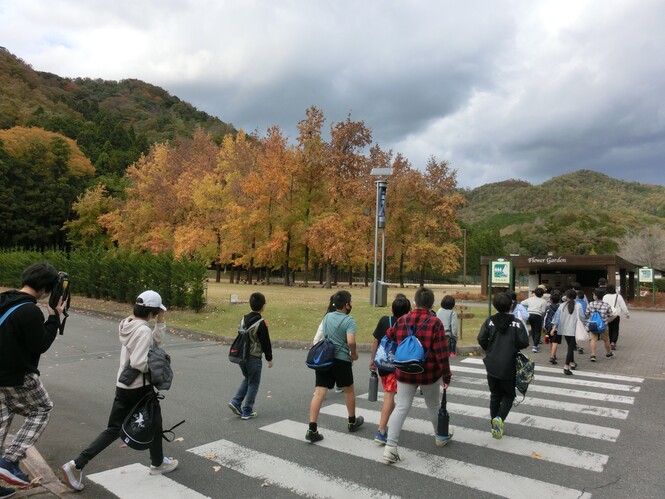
column 41, row 174
column 338, row 228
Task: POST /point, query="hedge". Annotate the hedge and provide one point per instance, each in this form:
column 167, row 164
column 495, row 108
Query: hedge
column 116, row 275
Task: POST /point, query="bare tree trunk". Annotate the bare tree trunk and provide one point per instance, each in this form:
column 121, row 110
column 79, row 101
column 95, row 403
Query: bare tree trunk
column 366, row 274
column 422, row 276
column 218, row 274
column 328, row 274
column 401, row 270
column 287, row 273
column 350, row 276
column 233, row 269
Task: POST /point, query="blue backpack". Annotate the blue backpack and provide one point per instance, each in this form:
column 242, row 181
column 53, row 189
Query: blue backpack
column 596, row 323
column 321, row 356
column 410, row 354
column 385, row 353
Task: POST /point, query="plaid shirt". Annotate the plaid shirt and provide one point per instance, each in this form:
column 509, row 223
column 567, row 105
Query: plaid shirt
column 433, row 338
column 604, row 309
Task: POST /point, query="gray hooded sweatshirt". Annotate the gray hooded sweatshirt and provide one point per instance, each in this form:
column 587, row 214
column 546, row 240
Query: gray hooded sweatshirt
column 136, row 338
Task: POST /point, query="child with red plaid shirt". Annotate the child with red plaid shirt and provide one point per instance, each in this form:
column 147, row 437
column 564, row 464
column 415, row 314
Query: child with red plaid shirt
column 431, row 334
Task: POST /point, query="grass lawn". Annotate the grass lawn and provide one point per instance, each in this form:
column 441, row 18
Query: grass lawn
column 292, row 313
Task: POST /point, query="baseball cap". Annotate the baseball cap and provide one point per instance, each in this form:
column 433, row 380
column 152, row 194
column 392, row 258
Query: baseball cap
column 150, row 299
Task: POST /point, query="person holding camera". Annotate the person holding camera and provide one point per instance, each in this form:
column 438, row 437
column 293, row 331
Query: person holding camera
column 132, row 383
column 24, row 336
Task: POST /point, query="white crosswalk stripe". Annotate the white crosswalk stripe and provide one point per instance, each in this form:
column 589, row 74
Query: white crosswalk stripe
column 134, row 481
column 587, row 412
column 461, row 473
column 277, row 471
column 513, row 445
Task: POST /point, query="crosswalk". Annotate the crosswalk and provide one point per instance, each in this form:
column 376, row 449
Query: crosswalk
column 567, row 425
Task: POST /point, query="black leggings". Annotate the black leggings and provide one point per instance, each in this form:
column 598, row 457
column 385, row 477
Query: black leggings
column 613, row 330
column 502, row 395
column 570, row 356
column 124, row 402
column 536, row 323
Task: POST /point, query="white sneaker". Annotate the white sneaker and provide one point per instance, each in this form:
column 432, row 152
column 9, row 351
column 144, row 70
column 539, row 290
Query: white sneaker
column 442, row 441
column 73, row 476
column 167, row 466
column 390, row 455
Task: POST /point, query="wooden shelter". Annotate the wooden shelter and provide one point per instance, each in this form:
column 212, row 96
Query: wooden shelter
column 559, row 271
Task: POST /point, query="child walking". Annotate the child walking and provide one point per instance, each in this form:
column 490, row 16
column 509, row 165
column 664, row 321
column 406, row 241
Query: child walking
column 448, row 318
column 242, row 404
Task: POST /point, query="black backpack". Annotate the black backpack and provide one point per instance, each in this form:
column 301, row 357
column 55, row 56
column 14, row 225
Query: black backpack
column 241, row 346
column 139, row 428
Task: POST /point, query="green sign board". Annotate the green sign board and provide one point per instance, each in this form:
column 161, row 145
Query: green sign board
column 501, row 273
column 646, row 275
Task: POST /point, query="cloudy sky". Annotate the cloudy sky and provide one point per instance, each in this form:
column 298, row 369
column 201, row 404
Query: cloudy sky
column 502, row 89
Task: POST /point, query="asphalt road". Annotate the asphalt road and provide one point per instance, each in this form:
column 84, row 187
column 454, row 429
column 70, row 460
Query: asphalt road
column 79, row 373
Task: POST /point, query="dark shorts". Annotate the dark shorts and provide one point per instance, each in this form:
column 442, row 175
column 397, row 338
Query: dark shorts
column 556, row 339
column 341, row 373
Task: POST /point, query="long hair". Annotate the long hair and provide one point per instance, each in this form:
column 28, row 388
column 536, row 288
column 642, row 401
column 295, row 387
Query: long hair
column 570, row 297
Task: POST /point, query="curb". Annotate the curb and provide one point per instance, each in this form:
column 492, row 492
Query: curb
column 38, row 468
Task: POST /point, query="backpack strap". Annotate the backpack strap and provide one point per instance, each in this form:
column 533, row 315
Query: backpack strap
column 9, row 312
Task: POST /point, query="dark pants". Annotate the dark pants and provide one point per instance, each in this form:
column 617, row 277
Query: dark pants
column 124, row 402
column 502, row 395
column 536, row 323
column 570, row 356
column 613, row 330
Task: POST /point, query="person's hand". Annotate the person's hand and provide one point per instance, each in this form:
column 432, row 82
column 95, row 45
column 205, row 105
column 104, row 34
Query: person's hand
column 59, row 309
column 270, row 363
column 160, row 316
column 372, row 367
column 354, row 356
column 445, row 385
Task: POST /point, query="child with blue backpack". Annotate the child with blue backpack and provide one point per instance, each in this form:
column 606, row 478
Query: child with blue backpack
column 605, row 310
column 400, row 306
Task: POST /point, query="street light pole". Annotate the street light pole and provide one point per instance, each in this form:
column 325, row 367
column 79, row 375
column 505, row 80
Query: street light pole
column 380, row 223
column 464, row 233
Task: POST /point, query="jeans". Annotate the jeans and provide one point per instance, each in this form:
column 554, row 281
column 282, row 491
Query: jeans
column 123, row 403
column 249, row 387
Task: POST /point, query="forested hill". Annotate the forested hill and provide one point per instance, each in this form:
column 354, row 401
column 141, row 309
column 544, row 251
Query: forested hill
column 580, row 212
column 112, row 122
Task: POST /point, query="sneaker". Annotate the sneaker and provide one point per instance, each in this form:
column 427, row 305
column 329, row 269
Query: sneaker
column 534, row 349
column 390, row 455
column 592, row 358
column 249, row 415
column 567, row 372
column 552, row 360
column 313, row 436
column 442, row 441
column 6, row 492
column 167, row 466
column 453, row 355
column 235, row 409
column 613, row 346
column 11, row 473
column 573, row 366
column 381, row 438
column 73, row 477
column 338, row 389
column 580, row 350
column 354, row 426
column 497, row 428
column 609, row 355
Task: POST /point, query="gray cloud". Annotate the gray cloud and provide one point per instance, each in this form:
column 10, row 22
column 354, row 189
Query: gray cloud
column 507, row 89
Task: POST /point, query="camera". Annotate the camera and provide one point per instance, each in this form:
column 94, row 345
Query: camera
column 61, row 290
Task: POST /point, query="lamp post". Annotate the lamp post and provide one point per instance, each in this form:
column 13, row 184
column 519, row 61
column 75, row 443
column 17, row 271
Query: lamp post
column 464, row 265
column 380, row 224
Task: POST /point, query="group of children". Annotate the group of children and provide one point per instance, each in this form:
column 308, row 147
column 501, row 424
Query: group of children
column 547, row 314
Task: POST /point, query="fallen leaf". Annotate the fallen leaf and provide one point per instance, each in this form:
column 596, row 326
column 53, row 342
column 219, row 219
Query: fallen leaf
column 535, row 455
column 211, row 456
column 179, row 439
column 216, row 468
column 265, row 484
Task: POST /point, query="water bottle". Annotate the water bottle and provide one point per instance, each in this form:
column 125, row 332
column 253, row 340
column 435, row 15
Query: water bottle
column 373, row 386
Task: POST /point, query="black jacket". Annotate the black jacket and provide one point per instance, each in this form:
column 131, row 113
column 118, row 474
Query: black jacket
column 502, row 336
column 24, row 336
column 262, row 334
